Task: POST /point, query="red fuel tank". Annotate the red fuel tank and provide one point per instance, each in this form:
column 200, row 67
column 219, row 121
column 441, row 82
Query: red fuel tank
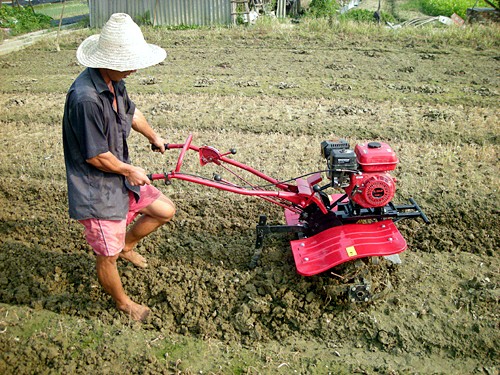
column 376, row 157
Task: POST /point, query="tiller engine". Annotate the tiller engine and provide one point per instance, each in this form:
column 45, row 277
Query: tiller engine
column 331, row 229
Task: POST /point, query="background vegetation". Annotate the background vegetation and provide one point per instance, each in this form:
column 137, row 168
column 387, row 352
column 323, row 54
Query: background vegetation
column 71, row 8
column 22, row 20
column 329, row 8
column 26, row 19
column 448, row 7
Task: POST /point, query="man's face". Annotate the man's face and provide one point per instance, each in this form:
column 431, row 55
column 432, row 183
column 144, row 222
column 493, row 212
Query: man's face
column 117, row 76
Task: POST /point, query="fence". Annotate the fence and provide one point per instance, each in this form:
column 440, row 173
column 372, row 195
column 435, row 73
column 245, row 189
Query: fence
column 163, row 12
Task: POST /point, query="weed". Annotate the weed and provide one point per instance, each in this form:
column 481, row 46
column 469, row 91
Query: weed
column 21, row 20
column 365, row 15
column 322, row 8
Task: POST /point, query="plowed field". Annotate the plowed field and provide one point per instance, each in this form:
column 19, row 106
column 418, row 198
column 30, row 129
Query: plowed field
column 273, row 94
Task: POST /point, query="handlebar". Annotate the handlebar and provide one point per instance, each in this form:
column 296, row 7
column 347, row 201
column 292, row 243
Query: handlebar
column 156, row 148
column 186, row 147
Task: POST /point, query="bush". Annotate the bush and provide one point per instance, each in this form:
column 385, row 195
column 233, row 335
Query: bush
column 322, row 8
column 22, row 20
column 364, row 15
column 448, row 7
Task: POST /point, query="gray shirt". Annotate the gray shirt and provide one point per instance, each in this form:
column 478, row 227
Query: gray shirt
column 92, row 127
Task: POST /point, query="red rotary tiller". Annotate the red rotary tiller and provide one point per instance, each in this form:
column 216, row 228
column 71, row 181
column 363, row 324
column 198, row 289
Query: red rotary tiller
column 331, row 229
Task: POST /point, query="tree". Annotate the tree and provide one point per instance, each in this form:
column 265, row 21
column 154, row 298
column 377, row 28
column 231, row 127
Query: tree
column 59, row 28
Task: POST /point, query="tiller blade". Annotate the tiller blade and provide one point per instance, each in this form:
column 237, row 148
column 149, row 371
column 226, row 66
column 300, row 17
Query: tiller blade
column 327, row 249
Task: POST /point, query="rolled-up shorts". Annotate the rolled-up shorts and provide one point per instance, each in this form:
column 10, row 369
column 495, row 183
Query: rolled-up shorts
column 107, row 237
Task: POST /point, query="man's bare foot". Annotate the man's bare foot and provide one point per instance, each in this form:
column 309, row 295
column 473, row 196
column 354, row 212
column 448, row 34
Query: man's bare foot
column 137, row 312
column 135, row 258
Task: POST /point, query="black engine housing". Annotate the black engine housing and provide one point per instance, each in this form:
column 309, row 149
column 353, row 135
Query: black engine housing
column 341, row 161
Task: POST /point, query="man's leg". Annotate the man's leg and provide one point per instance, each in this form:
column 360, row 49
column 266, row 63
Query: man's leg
column 153, row 216
column 108, row 276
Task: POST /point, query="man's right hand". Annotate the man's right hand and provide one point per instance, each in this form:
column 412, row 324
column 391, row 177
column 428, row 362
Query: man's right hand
column 107, row 162
column 137, row 176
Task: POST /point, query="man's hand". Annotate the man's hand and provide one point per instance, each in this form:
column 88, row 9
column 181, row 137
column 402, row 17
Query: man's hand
column 137, row 176
column 159, row 142
column 108, row 162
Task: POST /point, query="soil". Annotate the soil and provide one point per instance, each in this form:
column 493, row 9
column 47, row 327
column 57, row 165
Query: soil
column 273, row 94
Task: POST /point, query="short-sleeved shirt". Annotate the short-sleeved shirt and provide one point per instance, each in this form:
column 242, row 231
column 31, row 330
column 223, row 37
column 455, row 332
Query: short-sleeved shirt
column 92, row 127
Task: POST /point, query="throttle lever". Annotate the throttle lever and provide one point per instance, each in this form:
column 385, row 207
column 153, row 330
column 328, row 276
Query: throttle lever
column 231, row 151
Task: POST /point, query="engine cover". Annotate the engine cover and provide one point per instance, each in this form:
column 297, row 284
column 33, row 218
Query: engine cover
column 371, row 189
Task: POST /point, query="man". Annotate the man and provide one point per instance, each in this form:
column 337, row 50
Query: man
column 105, row 191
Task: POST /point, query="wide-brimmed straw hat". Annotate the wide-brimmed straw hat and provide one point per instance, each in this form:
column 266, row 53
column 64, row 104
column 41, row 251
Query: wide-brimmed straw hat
column 120, row 46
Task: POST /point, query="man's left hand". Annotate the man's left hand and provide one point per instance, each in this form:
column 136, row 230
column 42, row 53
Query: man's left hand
column 160, row 143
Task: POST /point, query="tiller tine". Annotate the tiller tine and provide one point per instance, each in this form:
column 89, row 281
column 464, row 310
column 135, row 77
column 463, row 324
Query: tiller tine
column 262, row 229
column 334, row 246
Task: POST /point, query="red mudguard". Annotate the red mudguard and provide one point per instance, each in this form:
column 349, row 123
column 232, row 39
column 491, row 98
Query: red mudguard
column 344, row 243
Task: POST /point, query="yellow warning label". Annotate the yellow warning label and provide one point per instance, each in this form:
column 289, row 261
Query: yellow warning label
column 351, row 251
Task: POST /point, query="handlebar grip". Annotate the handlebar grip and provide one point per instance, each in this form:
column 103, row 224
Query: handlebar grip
column 156, row 148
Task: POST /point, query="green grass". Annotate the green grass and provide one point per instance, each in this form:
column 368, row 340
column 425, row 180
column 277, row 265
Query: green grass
column 365, row 15
column 21, row 20
column 71, row 8
column 322, row 8
column 411, row 5
column 448, row 7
